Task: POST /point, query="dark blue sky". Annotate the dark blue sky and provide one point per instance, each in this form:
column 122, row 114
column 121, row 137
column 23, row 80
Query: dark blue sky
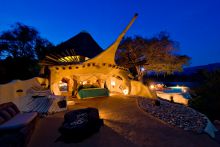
column 195, row 24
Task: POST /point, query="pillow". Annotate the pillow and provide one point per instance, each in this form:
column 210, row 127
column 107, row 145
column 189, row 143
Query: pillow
column 5, row 115
column 15, row 108
column 2, row 120
column 11, row 111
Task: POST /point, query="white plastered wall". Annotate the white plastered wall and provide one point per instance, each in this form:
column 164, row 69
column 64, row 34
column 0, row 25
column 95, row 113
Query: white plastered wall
column 103, row 67
column 90, row 72
column 8, row 92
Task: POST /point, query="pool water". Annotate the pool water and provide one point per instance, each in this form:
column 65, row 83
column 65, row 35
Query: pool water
column 179, row 90
column 173, row 90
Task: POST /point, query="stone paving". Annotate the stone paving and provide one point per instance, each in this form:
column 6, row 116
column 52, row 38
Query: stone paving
column 125, row 124
column 174, row 114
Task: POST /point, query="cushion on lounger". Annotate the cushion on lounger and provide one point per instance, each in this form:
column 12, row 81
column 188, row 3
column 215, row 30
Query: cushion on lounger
column 11, row 111
column 5, row 114
column 18, row 121
column 2, row 120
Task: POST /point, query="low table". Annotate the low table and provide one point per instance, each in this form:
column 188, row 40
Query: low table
column 80, row 124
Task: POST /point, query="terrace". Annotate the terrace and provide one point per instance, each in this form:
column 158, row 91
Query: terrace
column 124, row 124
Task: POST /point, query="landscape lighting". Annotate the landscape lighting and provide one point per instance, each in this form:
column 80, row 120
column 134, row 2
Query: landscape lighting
column 113, row 83
column 125, row 91
column 152, row 86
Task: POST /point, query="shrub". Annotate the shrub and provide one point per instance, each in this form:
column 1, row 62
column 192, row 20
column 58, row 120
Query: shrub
column 207, row 98
column 156, row 102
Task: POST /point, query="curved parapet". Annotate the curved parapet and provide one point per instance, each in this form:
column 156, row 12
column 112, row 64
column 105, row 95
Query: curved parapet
column 18, row 88
column 139, row 89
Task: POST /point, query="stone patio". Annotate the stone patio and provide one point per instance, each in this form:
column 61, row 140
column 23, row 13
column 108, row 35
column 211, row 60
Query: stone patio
column 125, row 124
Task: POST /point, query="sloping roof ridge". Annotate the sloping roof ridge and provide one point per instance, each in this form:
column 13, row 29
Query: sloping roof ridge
column 108, row 55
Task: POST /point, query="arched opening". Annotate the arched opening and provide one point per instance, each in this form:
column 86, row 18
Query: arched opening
column 65, row 86
column 117, row 84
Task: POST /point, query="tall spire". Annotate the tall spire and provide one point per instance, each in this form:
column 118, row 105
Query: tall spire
column 108, row 56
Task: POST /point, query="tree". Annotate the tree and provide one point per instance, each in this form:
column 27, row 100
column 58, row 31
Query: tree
column 23, row 41
column 206, row 98
column 42, row 47
column 21, row 48
column 156, row 54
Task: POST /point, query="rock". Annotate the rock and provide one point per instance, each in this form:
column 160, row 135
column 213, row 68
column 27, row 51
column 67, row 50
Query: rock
column 175, row 114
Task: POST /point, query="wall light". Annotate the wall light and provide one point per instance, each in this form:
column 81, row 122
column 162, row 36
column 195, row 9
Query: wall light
column 113, row 83
column 152, row 86
column 84, row 82
column 125, row 91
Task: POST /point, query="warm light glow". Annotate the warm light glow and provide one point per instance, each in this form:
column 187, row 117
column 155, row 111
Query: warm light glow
column 84, row 82
column 62, row 86
column 70, row 103
column 86, row 58
column 113, row 83
column 152, row 86
column 69, row 59
column 125, row 91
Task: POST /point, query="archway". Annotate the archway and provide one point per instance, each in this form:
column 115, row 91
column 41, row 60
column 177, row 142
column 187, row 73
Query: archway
column 66, row 86
column 118, row 84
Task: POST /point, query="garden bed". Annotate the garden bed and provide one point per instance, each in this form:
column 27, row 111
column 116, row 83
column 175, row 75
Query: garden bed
column 178, row 115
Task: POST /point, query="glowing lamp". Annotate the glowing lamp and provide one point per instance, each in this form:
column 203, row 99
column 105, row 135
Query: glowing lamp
column 125, row 91
column 152, row 86
column 84, row 82
column 113, row 83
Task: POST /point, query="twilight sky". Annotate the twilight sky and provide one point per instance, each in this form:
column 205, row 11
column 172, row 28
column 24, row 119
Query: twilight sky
column 195, row 24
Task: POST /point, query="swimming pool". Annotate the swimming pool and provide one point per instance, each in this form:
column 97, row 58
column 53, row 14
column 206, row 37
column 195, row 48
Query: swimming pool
column 176, row 94
column 173, row 90
column 176, row 89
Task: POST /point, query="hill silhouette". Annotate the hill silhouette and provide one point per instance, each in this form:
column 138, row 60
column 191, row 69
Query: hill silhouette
column 195, row 69
column 82, row 44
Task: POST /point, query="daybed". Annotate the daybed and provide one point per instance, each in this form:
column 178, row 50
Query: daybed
column 92, row 92
column 15, row 127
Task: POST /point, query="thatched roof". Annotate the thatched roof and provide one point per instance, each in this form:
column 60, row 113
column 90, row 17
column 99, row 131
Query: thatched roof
column 80, row 45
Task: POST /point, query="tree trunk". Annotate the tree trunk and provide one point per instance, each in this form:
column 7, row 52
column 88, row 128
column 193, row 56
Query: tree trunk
column 140, row 74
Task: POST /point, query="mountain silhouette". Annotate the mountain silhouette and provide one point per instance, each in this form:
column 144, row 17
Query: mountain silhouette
column 209, row 67
column 82, row 44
